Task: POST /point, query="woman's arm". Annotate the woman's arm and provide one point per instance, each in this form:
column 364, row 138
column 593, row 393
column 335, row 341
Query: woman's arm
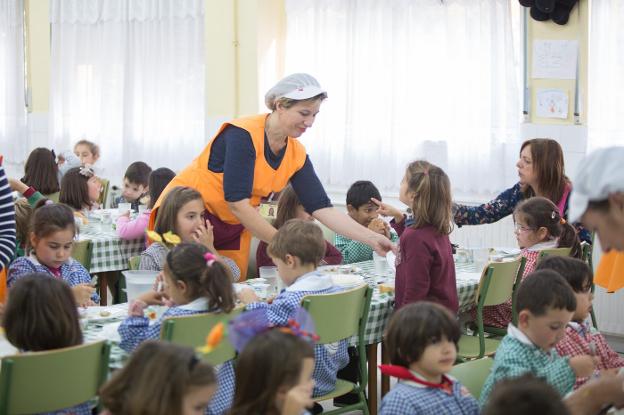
column 251, row 220
column 494, row 210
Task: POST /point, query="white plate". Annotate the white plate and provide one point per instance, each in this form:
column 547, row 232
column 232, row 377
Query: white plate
column 347, row 280
column 96, row 313
column 339, row 269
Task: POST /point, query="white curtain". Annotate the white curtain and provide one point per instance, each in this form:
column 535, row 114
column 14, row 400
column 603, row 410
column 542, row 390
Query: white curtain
column 13, row 139
column 411, row 79
column 606, row 74
column 129, row 75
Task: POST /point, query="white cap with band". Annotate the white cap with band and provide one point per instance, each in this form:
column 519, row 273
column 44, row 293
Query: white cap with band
column 297, row 86
column 600, row 174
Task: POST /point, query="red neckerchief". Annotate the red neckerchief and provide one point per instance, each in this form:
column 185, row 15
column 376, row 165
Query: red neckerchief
column 404, row 373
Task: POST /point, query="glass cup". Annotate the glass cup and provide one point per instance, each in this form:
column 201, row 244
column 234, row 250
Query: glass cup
column 380, row 263
column 107, row 220
column 124, row 207
column 270, row 275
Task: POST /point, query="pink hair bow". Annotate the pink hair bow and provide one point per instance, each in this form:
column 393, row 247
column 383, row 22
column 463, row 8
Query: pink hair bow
column 210, row 258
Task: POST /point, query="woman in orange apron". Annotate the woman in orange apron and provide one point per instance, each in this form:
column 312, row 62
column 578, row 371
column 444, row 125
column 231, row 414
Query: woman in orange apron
column 251, row 158
column 598, row 201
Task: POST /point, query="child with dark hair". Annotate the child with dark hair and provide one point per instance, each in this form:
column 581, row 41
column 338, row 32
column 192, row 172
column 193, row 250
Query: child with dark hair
column 160, row 378
column 196, row 283
column 41, row 171
column 134, row 229
column 135, row 185
column 422, row 343
column 24, row 207
column 525, row 395
column 538, row 227
column 80, row 190
column 274, row 375
column 546, row 304
column 580, row 337
column 41, row 315
column 296, row 249
column 363, row 201
column 51, row 239
column 289, row 207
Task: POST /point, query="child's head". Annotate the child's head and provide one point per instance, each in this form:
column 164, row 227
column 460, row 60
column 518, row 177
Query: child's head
column 80, row 188
column 267, row 368
column 191, row 272
column 423, row 337
column 537, row 220
column 545, row 305
column 524, row 395
column 41, row 314
column 289, row 207
column 161, row 378
column 87, row 151
column 426, row 189
column 580, row 277
column 135, row 182
column 41, row 171
column 297, row 246
column 23, row 215
column 52, row 231
column 181, row 213
column 158, row 180
column 359, row 204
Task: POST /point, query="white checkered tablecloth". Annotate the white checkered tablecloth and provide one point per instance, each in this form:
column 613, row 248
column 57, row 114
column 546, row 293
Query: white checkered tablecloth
column 110, row 253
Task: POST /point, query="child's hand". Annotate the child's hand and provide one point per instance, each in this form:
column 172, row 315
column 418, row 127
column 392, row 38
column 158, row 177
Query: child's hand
column 247, row 296
column 298, row 398
column 17, row 185
column 126, row 214
column 152, row 298
column 583, row 366
column 158, row 282
column 385, row 209
column 82, row 294
column 204, row 235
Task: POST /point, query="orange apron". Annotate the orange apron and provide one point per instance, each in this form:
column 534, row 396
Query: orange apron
column 610, row 272
column 210, row 185
column 3, row 284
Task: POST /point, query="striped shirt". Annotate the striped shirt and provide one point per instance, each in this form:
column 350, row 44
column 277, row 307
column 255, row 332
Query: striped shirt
column 7, row 221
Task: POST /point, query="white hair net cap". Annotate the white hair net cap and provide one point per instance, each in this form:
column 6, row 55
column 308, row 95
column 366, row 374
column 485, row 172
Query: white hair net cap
column 297, row 86
column 600, row 174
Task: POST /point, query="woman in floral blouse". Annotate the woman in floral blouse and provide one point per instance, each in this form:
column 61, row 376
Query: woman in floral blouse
column 541, row 172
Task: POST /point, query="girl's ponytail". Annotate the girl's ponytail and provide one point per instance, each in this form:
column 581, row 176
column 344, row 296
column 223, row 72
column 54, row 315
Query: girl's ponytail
column 216, row 285
column 568, row 237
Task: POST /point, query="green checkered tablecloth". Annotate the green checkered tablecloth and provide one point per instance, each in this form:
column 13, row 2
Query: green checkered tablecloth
column 382, row 304
column 110, row 253
column 107, row 330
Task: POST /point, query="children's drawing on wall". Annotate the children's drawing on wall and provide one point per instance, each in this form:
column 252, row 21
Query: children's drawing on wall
column 552, row 103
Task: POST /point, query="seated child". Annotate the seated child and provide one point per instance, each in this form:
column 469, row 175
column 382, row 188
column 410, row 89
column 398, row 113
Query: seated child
column 80, row 190
column 538, row 227
column 160, row 378
column 196, row 283
column 88, row 152
column 362, row 209
column 135, row 229
column 525, row 395
column 425, row 269
column 41, row 315
column 41, row 171
column 296, row 249
column 135, row 186
column 51, row 238
column 546, row 304
column 182, row 213
column 274, row 375
column 580, row 337
column 422, row 343
column 289, row 207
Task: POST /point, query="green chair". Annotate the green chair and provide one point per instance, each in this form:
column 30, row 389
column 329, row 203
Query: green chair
column 496, row 287
column 554, row 251
column 134, row 262
column 192, row 331
column 587, row 256
column 352, row 306
column 48, row 381
column 472, row 374
column 81, row 252
column 53, row 196
column 103, row 199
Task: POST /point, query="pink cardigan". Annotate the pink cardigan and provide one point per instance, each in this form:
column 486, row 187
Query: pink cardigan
column 133, row 229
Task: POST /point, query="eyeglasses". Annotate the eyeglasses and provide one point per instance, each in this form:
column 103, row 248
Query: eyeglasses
column 521, row 228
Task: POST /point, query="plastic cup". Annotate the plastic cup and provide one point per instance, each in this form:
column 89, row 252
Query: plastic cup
column 262, row 290
column 270, row 275
column 142, row 208
column 380, row 263
column 480, row 257
column 124, row 207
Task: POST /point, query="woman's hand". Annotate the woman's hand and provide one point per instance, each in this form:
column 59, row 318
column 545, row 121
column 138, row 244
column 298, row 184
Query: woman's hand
column 385, row 209
column 205, row 236
column 381, row 244
column 82, row 294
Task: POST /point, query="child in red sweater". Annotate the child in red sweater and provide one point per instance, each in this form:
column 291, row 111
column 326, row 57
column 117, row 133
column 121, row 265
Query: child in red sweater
column 424, row 265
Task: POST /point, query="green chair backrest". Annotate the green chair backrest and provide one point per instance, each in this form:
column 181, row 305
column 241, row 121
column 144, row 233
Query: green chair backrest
column 104, row 193
column 472, row 374
column 53, row 196
column 497, row 282
column 587, row 252
column 554, row 251
column 192, row 331
column 52, row 380
column 134, row 262
column 81, row 252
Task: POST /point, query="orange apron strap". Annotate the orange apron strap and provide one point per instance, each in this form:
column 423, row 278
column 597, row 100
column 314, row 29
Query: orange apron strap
column 240, row 256
column 3, row 285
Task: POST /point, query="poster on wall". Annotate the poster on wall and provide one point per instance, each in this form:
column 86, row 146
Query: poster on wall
column 552, row 103
column 555, row 59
